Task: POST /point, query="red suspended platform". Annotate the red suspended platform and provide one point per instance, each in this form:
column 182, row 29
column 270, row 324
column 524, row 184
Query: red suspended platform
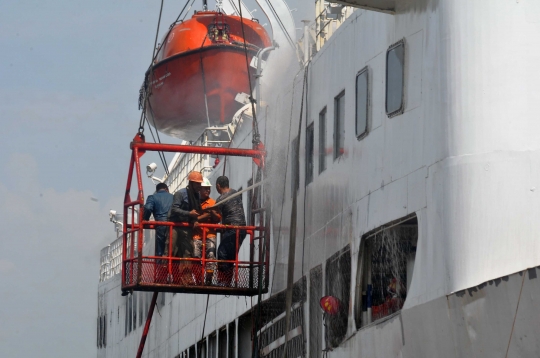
column 142, row 271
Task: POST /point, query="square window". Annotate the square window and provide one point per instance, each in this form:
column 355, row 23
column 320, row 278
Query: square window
column 339, row 125
column 395, row 69
column 362, row 102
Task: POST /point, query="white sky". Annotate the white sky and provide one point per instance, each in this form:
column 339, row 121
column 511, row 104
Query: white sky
column 70, row 73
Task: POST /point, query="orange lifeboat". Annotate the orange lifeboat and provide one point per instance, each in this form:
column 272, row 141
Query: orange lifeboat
column 202, row 55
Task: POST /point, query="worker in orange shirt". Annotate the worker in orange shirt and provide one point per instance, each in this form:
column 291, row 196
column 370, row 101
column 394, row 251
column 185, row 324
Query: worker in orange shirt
column 209, row 217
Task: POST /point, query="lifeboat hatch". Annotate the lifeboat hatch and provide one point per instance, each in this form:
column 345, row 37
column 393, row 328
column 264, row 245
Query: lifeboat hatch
column 143, row 271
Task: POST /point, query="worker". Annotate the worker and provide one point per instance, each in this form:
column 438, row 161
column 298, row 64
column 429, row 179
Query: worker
column 159, row 204
column 210, row 216
column 232, row 212
column 186, row 208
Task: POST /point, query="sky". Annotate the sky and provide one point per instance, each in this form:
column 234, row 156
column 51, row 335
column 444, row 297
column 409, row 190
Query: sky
column 70, row 73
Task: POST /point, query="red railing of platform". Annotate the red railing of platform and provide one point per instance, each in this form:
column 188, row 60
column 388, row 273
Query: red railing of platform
column 192, row 275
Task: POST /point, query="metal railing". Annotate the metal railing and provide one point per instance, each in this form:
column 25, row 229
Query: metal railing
column 110, row 260
column 176, row 274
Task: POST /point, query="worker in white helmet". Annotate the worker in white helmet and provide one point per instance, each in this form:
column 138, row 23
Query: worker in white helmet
column 210, row 217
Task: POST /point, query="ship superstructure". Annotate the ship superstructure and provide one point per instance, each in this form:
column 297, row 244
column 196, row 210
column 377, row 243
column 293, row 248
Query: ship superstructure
column 403, row 167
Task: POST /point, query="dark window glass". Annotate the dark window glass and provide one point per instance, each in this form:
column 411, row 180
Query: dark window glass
column 232, row 340
column 295, row 182
column 201, row 349
column 395, row 59
column 212, row 346
column 134, row 310
column 315, row 313
column 338, row 284
column 309, row 153
column 222, row 347
column 385, row 269
column 250, row 198
column 339, row 125
column 105, row 331
column 322, row 140
column 362, row 98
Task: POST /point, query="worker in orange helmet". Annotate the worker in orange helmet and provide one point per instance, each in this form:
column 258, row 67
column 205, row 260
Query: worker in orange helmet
column 186, row 208
column 211, row 216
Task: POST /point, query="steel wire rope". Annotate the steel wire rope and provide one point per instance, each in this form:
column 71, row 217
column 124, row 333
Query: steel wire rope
column 146, row 94
column 144, row 101
column 284, row 190
column 305, row 186
column 256, row 136
column 292, row 234
column 204, row 80
column 256, row 342
column 160, row 153
column 204, row 325
column 162, row 159
column 284, row 187
column 291, row 42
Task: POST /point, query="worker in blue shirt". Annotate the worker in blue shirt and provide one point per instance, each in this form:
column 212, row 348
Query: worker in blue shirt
column 159, row 205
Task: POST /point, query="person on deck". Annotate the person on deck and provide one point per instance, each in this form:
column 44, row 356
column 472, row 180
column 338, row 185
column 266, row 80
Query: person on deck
column 232, row 212
column 186, row 208
column 211, row 217
column 159, row 204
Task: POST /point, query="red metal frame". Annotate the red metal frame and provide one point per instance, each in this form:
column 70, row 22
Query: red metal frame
column 149, row 273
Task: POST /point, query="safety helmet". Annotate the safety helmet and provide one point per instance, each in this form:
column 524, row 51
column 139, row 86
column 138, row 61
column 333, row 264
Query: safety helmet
column 206, row 182
column 196, row 177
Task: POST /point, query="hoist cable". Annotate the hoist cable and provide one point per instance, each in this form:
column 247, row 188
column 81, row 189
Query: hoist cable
column 284, row 187
column 157, row 30
column 305, row 187
column 161, row 153
column 188, row 10
column 204, row 325
column 204, row 81
column 291, row 42
column 292, row 226
column 256, row 137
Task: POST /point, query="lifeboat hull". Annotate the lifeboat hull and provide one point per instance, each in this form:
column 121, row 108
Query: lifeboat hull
column 177, row 106
column 195, row 81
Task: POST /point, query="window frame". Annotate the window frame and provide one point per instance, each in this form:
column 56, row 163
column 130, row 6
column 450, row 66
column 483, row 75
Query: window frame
column 401, row 109
column 337, row 129
column 363, row 71
column 322, row 140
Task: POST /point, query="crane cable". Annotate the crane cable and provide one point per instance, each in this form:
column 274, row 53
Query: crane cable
column 144, row 93
column 204, row 81
column 204, row 325
column 256, row 136
column 292, row 230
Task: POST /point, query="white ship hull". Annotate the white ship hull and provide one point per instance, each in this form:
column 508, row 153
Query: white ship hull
column 463, row 159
